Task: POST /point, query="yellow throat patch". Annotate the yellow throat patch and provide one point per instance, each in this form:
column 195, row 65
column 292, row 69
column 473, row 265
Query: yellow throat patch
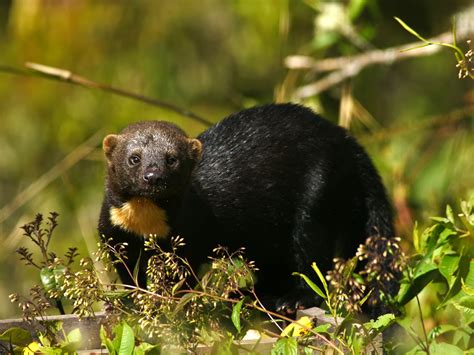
column 140, row 216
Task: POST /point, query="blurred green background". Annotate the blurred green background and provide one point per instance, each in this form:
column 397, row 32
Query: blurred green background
column 213, row 57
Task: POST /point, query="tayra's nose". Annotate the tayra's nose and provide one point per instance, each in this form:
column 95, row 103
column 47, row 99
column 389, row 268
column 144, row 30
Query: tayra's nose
column 152, row 176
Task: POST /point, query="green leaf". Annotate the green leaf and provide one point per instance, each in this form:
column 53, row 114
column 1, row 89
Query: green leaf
column 444, row 348
column 17, row 336
column 51, row 278
column 105, row 341
column 466, row 208
column 148, row 349
column 466, row 302
column 285, row 346
column 355, row 343
column 382, row 321
column 224, row 347
column 441, row 329
column 323, row 328
column 236, row 315
column 469, row 279
column 455, row 291
column 468, row 290
column 73, row 341
column 118, row 330
column 416, row 238
column 448, row 266
column 417, row 350
column 69, row 348
column 311, row 284
column 429, row 239
column 365, row 298
column 321, row 277
column 127, row 340
column 188, row 297
column 47, row 279
column 450, row 214
column 409, row 29
column 410, row 290
column 424, row 267
column 177, row 286
column 445, row 234
column 74, row 336
column 439, row 219
column 44, row 340
column 461, row 338
column 454, row 31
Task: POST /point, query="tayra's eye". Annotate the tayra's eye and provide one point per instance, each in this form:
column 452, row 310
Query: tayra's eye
column 134, row 160
column 170, row 160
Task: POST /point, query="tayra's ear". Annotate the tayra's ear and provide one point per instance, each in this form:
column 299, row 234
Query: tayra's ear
column 195, row 148
column 108, row 144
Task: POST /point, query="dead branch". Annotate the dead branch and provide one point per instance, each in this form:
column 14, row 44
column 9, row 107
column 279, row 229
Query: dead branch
column 342, row 68
column 63, row 75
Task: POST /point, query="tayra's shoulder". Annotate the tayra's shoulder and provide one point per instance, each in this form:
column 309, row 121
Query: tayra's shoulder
column 285, row 122
column 272, row 112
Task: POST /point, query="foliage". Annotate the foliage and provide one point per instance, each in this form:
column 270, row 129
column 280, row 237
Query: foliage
column 123, row 342
column 415, row 117
column 351, row 332
column 52, row 269
column 444, row 257
column 58, row 342
column 418, row 131
column 180, row 309
column 171, row 312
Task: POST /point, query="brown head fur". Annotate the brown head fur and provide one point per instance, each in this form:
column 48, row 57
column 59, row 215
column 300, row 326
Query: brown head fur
column 151, row 159
column 148, row 164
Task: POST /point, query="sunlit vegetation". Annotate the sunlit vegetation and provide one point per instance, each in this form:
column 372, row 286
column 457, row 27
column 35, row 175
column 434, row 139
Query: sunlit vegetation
column 412, row 112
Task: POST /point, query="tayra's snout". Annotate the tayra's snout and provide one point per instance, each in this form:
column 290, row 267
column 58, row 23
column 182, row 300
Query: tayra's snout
column 152, row 176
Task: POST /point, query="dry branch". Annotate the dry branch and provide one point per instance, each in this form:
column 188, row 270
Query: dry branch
column 63, row 75
column 342, row 68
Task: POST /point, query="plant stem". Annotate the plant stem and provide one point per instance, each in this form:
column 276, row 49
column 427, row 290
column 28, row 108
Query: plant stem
column 60, row 307
column 427, row 345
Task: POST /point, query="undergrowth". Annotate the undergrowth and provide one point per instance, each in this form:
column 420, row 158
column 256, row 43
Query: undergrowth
column 179, row 310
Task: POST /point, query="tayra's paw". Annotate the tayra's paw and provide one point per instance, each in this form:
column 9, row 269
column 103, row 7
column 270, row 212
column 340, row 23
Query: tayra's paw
column 296, row 300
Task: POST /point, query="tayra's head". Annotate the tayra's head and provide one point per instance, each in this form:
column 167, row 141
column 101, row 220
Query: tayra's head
column 152, row 159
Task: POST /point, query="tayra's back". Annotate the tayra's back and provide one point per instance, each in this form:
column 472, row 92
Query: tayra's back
column 290, row 187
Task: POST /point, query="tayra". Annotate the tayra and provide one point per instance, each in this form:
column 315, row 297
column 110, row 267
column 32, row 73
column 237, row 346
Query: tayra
column 279, row 180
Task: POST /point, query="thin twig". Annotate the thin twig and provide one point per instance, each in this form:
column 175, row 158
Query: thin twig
column 64, row 75
column 269, row 315
column 68, row 161
column 342, row 68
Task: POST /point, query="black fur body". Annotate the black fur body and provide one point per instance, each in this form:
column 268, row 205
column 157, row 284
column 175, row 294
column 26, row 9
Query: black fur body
column 289, row 186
